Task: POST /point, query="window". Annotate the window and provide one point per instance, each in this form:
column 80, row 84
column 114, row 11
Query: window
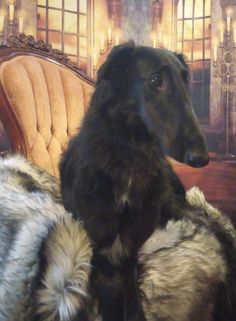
column 65, row 24
column 194, row 40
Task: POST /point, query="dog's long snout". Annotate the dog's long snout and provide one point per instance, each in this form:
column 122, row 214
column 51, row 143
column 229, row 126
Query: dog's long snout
column 195, row 159
column 196, row 150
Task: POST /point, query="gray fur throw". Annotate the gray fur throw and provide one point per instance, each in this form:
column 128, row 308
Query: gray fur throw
column 45, row 256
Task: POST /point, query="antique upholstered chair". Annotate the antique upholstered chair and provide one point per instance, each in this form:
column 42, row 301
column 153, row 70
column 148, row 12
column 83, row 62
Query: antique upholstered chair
column 43, row 98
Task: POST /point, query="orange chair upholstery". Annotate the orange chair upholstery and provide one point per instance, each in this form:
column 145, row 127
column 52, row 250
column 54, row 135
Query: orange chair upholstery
column 43, row 101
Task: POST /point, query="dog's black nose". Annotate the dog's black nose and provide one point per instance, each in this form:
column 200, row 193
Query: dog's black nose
column 196, row 159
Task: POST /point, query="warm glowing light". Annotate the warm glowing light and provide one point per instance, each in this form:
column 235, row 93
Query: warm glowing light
column 1, row 24
column 109, row 35
column 154, row 42
column 180, row 9
column 21, row 24
column 55, row 39
column 228, row 22
column 207, row 7
column 215, row 41
column 221, row 29
column 234, row 33
column 70, row 23
column 188, row 8
column 95, row 61
column 188, row 29
column 11, row 12
column 82, row 6
column 154, row 39
column 102, row 43
column 83, row 25
column 160, row 42
column 229, row 11
column 117, row 38
column 215, row 54
column 54, row 19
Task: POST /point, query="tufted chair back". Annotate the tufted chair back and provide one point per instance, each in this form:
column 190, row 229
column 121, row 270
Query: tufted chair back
column 46, row 101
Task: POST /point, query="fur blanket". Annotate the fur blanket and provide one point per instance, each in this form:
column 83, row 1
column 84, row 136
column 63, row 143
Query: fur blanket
column 45, row 256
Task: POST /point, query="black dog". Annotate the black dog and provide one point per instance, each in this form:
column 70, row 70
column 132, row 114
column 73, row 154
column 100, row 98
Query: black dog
column 114, row 174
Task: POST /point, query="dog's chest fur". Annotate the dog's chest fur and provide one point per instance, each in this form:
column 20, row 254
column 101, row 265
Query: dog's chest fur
column 125, row 198
column 130, row 189
column 133, row 174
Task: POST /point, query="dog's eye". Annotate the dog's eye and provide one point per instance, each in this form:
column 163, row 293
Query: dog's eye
column 157, row 80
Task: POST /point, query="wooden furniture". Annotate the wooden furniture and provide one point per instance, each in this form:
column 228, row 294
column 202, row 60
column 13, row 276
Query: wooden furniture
column 217, row 180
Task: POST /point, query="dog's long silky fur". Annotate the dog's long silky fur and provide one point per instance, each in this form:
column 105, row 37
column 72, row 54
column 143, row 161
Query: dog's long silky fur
column 115, row 177
column 45, row 257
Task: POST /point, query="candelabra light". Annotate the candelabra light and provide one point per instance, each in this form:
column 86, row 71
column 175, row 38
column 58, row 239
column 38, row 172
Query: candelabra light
column 224, row 64
column 157, row 8
column 10, row 24
column 109, row 38
column 106, row 44
column 157, row 38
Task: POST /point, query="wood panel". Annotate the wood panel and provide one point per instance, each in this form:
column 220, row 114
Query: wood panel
column 217, row 180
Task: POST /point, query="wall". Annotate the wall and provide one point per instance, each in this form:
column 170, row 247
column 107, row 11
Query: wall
column 215, row 86
column 136, row 21
column 218, row 98
column 233, row 111
column 29, row 12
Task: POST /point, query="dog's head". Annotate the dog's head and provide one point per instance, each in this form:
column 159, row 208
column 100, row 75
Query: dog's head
column 153, row 83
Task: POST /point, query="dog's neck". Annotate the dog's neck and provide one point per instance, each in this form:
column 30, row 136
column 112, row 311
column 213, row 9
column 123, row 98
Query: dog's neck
column 125, row 145
column 121, row 136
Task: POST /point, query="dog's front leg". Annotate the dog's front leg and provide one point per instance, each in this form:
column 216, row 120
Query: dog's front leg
column 108, row 286
column 122, row 258
column 133, row 310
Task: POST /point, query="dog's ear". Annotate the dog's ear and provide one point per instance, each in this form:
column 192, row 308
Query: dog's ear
column 183, row 59
column 114, row 72
column 118, row 62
